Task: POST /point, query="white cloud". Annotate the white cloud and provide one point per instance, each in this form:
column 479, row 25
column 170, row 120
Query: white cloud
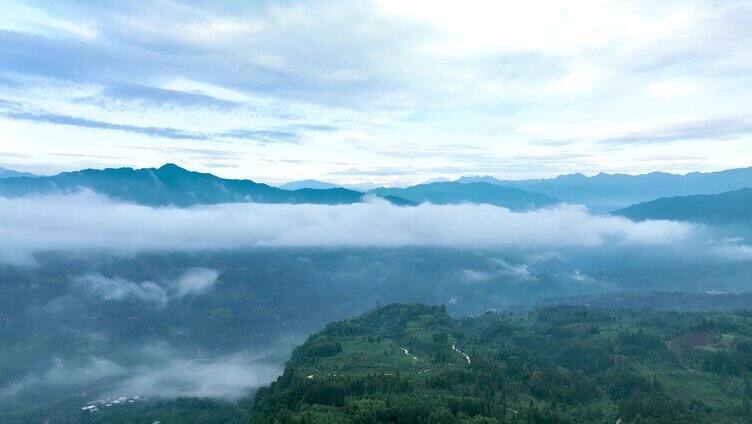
column 195, row 281
column 89, row 222
column 29, row 19
column 541, row 25
column 226, row 377
column 499, row 268
column 192, row 282
column 519, row 272
column 160, row 372
column 65, row 374
column 734, row 252
column 105, row 288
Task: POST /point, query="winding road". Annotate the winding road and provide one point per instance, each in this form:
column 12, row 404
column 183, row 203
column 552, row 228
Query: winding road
column 454, row 348
column 404, row 349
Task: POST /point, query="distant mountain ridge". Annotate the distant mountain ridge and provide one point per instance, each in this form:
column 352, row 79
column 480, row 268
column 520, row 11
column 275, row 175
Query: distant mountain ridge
column 608, row 192
column 480, row 192
column 313, row 184
column 9, row 173
column 323, row 185
column 173, row 185
column 633, row 196
column 731, row 207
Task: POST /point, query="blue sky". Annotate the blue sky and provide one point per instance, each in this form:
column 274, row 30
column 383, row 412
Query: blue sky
column 389, row 92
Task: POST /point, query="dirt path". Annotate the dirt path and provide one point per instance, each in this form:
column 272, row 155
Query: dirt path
column 454, row 348
column 404, row 349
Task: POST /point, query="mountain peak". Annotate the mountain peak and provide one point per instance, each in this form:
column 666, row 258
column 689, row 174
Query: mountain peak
column 171, row 167
column 575, row 176
column 478, row 179
column 314, row 184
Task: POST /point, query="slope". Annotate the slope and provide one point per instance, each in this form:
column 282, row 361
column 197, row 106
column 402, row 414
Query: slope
column 414, row 364
column 731, row 207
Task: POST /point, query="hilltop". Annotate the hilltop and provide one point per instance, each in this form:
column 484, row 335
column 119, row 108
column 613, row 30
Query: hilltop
column 414, row 363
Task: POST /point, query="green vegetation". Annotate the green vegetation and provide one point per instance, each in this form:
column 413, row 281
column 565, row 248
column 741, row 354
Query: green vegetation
column 562, row 364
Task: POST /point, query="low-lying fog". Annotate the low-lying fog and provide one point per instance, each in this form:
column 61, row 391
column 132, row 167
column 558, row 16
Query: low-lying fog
column 157, row 371
column 89, row 222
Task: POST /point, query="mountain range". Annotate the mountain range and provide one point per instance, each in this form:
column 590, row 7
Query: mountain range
column 608, row 192
column 173, row 185
column 449, row 192
column 314, row 184
column 714, row 198
column 480, row 192
column 317, row 184
column 731, row 207
column 9, row 173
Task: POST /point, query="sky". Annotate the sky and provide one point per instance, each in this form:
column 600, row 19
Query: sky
column 386, row 92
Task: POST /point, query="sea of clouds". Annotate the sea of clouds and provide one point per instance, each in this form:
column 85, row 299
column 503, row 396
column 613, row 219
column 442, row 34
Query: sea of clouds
column 86, row 221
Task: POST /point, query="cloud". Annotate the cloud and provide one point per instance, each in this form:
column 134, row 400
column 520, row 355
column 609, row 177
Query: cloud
column 315, row 127
column 195, row 281
column 160, row 372
column 519, row 272
column 162, row 97
column 703, row 129
column 65, row 374
column 192, row 282
column 226, row 377
column 499, row 268
column 89, row 222
column 165, row 132
column 105, row 288
column 263, row 136
column 733, row 252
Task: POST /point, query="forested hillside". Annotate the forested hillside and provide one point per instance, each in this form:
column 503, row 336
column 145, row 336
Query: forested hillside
column 415, row 364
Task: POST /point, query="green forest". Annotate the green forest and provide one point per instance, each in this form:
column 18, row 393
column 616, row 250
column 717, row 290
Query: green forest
column 561, row 364
column 412, row 363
